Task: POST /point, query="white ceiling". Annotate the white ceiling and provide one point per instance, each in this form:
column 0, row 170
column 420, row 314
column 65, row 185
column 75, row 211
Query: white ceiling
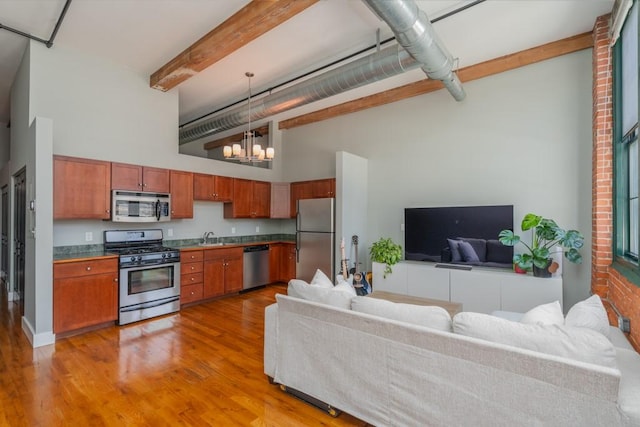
column 145, row 34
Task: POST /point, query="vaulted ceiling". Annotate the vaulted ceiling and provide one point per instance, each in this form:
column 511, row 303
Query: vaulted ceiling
column 280, row 41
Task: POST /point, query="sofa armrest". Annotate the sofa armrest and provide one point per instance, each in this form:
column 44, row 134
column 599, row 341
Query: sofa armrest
column 270, row 339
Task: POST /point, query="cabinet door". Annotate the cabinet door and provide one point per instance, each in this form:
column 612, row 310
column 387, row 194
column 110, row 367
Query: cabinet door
column 233, row 275
column 213, row 278
column 126, row 177
column 203, row 187
column 299, row 190
column 276, row 254
column 223, row 188
column 242, row 199
column 81, row 188
column 155, row 180
column 181, row 194
column 288, row 263
column 84, row 301
column 280, row 200
column 477, row 292
column 323, row 188
column 261, row 201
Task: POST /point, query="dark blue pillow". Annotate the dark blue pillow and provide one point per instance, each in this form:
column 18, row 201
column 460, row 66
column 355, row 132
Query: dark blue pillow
column 497, row 252
column 455, row 252
column 479, row 245
column 467, row 252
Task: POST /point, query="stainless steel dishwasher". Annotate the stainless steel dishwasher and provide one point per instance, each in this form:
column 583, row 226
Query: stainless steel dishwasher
column 255, row 270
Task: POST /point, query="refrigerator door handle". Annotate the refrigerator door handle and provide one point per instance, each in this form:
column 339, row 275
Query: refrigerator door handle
column 297, row 247
column 297, row 220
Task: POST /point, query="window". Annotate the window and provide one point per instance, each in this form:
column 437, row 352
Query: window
column 625, row 135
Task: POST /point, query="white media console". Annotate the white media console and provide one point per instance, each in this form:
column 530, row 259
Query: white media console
column 480, row 289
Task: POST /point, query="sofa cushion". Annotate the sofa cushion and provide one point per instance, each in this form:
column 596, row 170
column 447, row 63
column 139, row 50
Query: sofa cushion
column 455, row 251
column 545, row 314
column 580, row 344
column 499, row 253
column 345, row 286
column 424, row 315
column 330, row 296
column 321, row 279
column 467, row 252
column 589, row 313
column 479, row 246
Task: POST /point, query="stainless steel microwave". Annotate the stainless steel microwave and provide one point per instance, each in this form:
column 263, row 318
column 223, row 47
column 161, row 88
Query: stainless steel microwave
column 136, row 206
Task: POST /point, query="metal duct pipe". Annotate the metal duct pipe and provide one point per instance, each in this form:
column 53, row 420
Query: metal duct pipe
column 415, row 33
column 372, row 68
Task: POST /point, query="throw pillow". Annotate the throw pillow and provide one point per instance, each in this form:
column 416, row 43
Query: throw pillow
column 545, row 314
column 345, row 286
column 455, row 252
column 321, row 279
column 467, row 252
column 479, row 245
column 430, row 316
column 580, row 344
column 589, row 313
column 497, row 252
column 330, row 296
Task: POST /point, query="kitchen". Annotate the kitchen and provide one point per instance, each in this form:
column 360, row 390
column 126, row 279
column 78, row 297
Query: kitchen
column 212, row 265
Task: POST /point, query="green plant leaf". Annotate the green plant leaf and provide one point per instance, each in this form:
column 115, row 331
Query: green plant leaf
column 507, row 238
column 529, row 221
column 574, row 256
column 572, row 239
column 524, row 261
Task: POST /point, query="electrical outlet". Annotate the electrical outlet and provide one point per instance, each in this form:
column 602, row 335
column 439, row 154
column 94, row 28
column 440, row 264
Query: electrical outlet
column 624, row 324
column 233, row 230
column 170, row 232
column 88, row 236
column 257, row 228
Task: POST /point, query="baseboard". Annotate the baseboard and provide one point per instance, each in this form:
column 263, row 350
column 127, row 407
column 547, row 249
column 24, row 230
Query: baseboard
column 37, row 340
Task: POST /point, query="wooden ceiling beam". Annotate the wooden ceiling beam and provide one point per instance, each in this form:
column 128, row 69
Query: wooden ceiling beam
column 473, row 72
column 249, row 23
column 262, row 130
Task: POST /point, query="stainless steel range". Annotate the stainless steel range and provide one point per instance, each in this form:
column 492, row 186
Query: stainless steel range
column 149, row 274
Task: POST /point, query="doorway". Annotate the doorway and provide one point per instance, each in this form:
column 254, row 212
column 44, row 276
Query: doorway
column 4, row 232
column 20, row 200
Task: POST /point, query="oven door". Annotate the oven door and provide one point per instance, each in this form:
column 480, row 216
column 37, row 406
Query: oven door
column 143, row 284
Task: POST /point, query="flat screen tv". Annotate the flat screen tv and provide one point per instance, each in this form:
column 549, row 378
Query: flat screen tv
column 427, row 230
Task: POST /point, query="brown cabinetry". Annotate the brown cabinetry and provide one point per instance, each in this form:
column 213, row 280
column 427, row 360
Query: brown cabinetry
column 139, row 178
column 315, row 189
column 85, row 293
column 222, row 271
column 282, row 262
column 212, row 188
column 181, row 194
column 81, row 188
column 251, row 199
column 280, row 200
column 191, row 276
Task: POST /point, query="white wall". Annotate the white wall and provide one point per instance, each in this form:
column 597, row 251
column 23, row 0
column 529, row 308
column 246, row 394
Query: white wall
column 522, row 137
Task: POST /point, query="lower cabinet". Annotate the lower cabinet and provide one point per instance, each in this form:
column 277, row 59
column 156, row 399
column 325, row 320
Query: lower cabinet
column 282, row 262
column 85, row 293
column 191, row 276
column 482, row 290
column 222, row 271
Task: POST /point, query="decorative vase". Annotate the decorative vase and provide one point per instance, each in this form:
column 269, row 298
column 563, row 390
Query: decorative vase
column 542, row 272
column 519, row 270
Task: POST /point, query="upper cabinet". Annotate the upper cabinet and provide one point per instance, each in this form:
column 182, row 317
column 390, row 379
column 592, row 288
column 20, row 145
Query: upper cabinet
column 81, row 188
column 139, row 178
column 181, row 194
column 280, row 199
column 212, row 188
column 251, row 199
column 316, row 189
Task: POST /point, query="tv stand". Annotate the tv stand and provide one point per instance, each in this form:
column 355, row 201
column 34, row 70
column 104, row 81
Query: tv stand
column 481, row 289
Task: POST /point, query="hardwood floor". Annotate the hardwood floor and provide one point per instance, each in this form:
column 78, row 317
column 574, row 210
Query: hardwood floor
column 201, row 366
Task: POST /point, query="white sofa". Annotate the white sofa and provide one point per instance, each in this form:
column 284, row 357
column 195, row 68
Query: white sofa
column 392, row 373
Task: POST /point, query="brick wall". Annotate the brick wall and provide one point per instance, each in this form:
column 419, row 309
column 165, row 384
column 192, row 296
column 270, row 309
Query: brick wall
column 606, row 281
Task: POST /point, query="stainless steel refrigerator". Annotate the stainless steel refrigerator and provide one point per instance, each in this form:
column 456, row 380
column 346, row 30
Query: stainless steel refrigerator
column 315, row 238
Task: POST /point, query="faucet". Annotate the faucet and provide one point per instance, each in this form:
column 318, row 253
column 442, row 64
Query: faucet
column 207, row 235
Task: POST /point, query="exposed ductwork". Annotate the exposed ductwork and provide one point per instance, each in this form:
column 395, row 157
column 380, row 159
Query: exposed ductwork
column 383, row 64
column 420, row 48
column 415, row 33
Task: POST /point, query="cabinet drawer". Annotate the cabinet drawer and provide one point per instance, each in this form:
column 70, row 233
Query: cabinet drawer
column 190, row 293
column 223, row 253
column 84, row 268
column 187, row 279
column 191, row 256
column 191, row 267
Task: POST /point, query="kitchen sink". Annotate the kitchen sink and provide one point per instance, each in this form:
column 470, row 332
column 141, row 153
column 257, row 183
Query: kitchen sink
column 211, row 244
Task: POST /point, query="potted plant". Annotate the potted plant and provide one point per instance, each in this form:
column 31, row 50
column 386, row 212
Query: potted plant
column 386, row 252
column 546, row 235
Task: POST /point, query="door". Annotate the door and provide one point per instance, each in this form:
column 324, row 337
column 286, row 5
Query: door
column 19, row 189
column 315, row 251
column 315, row 215
column 4, row 256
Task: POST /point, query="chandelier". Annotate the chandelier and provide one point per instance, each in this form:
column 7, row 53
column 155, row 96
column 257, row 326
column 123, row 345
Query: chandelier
column 248, row 150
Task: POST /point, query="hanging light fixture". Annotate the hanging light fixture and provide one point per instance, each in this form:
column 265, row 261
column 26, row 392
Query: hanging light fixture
column 248, row 150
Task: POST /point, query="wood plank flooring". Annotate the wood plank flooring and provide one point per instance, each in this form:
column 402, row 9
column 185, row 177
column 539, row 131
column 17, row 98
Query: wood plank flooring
column 201, row 366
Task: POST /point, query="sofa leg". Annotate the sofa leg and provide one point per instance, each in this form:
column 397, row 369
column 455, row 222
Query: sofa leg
column 311, row 400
